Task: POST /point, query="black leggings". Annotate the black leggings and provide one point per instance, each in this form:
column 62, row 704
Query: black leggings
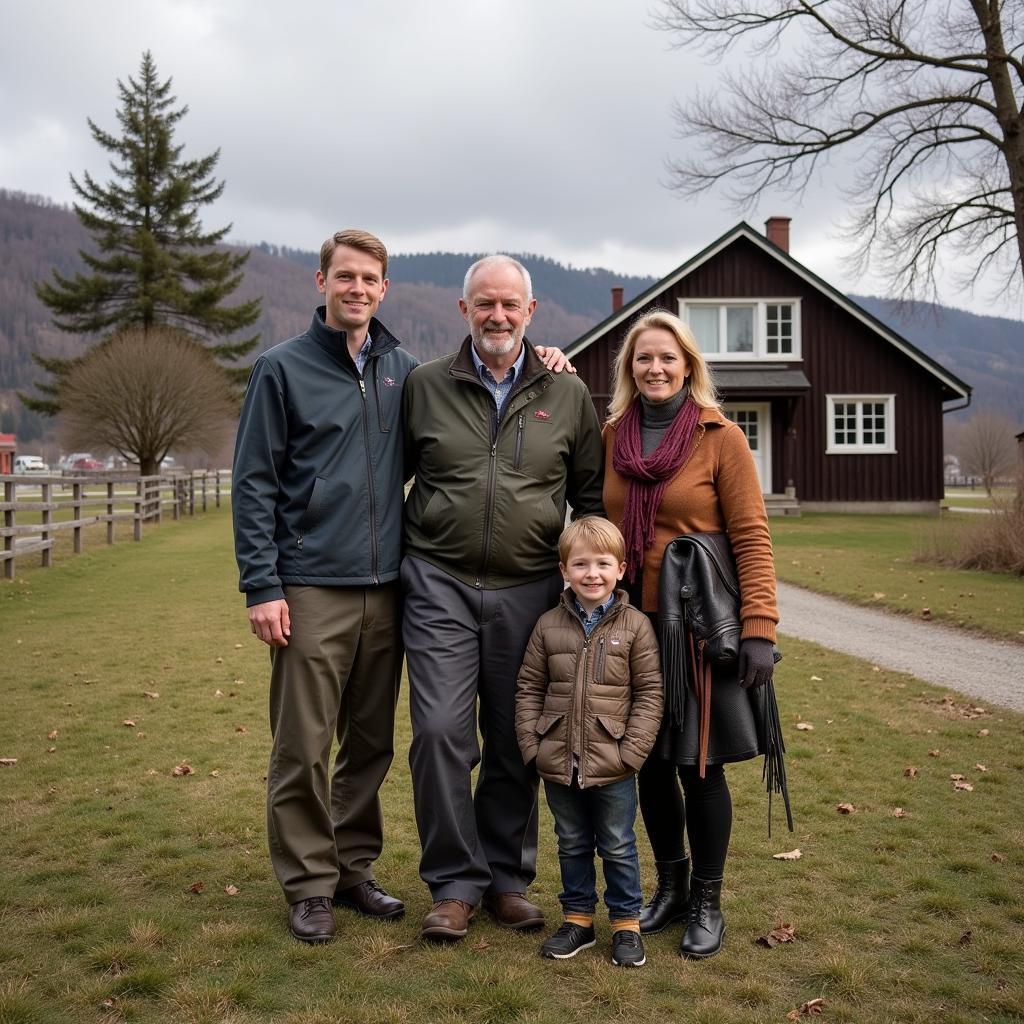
column 706, row 813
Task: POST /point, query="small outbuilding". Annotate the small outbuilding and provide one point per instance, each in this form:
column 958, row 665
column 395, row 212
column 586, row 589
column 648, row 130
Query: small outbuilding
column 841, row 412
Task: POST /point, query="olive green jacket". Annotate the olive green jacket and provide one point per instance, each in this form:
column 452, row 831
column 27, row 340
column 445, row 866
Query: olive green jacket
column 489, row 501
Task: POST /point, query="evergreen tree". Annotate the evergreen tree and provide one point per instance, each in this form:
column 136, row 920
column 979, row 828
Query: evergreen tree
column 154, row 264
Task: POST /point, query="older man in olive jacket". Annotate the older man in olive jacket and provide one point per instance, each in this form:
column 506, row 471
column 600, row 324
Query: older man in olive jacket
column 498, row 445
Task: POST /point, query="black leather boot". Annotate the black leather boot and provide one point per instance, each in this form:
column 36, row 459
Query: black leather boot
column 668, row 903
column 705, row 925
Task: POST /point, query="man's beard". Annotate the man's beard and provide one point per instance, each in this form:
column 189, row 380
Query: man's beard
column 496, row 348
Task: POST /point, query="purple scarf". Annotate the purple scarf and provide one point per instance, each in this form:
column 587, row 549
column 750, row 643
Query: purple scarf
column 649, row 477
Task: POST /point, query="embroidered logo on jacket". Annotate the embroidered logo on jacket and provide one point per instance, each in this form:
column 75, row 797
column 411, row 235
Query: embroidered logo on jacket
column 389, row 382
column 616, row 640
column 542, row 414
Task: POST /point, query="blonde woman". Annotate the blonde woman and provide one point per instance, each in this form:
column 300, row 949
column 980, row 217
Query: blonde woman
column 673, row 465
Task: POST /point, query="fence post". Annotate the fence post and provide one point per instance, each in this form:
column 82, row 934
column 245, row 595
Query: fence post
column 76, row 508
column 137, row 525
column 203, row 485
column 47, row 492
column 110, row 511
column 9, row 493
column 192, row 493
column 158, row 482
column 216, row 481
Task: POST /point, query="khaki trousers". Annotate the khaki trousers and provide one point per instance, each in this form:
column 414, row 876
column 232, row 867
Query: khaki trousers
column 338, row 676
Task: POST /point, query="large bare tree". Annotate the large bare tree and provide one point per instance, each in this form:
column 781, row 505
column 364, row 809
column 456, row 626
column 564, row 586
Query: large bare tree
column 922, row 96
column 140, row 394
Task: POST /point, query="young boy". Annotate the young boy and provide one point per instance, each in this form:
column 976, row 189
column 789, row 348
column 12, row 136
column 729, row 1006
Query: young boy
column 588, row 706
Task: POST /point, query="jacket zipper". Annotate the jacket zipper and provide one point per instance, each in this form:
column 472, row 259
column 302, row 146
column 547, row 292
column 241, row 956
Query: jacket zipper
column 599, row 663
column 517, row 459
column 369, row 482
column 578, row 710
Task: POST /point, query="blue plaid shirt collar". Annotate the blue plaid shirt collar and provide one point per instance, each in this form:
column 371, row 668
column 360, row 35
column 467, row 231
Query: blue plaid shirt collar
column 590, row 621
column 499, row 389
column 363, row 354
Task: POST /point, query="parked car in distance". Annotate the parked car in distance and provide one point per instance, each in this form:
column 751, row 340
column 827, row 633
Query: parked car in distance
column 86, row 462
column 66, row 463
column 29, row 464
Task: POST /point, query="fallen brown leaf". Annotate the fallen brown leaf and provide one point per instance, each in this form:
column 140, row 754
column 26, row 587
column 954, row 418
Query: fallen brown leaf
column 805, row 726
column 846, row 808
column 816, row 679
column 935, row 753
column 53, row 735
column 232, row 890
column 129, row 722
column 965, row 786
column 220, row 661
column 781, row 933
column 998, row 858
column 956, row 777
column 965, row 939
column 51, row 750
column 878, row 595
column 898, row 812
column 240, row 728
column 481, row 945
column 983, row 732
column 8, row 761
column 150, row 694
column 812, row 1008
column 182, row 769
column 218, row 693
column 1002, row 984
column 789, row 855
column 110, row 1003
column 910, row 772
column 196, row 887
column 926, row 613
column 215, row 774
column 981, row 768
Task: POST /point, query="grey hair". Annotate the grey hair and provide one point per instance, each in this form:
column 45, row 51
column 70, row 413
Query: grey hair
column 498, row 259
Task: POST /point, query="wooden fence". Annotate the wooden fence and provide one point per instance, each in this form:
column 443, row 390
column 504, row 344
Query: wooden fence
column 96, row 498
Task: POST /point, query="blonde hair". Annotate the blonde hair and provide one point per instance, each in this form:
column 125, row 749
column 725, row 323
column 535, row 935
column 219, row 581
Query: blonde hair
column 624, row 389
column 600, row 535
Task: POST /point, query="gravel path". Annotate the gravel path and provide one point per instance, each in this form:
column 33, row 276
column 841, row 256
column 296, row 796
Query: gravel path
column 990, row 670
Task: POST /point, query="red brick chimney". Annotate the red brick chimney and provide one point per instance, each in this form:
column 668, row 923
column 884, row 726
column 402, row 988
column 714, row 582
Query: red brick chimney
column 776, row 230
column 616, row 298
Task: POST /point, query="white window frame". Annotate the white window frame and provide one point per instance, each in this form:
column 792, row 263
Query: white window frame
column 888, row 447
column 760, row 307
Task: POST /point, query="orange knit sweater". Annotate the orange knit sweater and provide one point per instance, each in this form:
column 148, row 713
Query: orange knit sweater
column 716, row 491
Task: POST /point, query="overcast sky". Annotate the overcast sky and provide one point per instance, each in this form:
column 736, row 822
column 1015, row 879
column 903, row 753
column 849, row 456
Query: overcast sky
column 523, row 125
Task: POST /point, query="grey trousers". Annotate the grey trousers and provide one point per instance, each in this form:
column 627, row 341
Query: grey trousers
column 461, row 644
column 339, row 675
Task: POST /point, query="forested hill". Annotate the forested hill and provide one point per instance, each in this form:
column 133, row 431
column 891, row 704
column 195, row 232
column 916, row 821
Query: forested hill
column 422, row 308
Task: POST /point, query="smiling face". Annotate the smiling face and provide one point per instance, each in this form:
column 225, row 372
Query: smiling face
column 497, row 311
column 591, row 574
column 660, row 366
column 352, row 288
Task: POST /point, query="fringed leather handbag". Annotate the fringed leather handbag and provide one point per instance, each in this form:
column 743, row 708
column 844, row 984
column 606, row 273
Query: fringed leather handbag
column 698, row 628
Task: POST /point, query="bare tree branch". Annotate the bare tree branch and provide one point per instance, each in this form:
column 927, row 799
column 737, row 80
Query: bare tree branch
column 923, row 97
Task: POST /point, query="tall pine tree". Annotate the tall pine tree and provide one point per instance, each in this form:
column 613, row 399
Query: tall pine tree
column 154, row 264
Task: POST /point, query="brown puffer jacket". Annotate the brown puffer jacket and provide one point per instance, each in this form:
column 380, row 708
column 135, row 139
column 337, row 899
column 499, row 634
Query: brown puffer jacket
column 598, row 697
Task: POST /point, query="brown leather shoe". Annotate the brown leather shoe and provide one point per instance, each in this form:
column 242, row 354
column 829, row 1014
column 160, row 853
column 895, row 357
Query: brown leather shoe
column 312, row 921
column 370, row 899
column 514, row 910
column 447, row 921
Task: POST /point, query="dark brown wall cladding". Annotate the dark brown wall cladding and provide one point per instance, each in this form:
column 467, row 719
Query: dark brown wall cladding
column 841, row 356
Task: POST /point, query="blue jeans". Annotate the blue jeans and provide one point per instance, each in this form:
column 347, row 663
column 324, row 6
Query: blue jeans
column 600, row 817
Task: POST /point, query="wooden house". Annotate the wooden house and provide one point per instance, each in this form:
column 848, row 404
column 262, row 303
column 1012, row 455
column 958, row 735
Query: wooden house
column 841, row 412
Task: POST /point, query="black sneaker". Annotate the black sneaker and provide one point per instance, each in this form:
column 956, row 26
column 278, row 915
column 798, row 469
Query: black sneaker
column 567, row 941
column 627, row 949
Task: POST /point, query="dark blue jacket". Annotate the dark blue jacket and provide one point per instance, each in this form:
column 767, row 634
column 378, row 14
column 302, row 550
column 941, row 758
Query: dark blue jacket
column 317, row 483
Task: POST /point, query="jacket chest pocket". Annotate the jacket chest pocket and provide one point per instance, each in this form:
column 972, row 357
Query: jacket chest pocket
column 387, row 398
column 536, row 446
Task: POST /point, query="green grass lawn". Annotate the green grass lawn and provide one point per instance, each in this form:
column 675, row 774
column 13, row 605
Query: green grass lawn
column 976, row 497
column 912, row 918
column 870, row 560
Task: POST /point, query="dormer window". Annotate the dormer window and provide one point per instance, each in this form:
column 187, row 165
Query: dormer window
column 745, row 329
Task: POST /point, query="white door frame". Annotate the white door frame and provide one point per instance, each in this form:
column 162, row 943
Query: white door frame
column 763, row 455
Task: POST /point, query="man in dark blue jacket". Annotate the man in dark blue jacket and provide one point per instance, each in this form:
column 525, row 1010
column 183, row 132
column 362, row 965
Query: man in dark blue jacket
column 317, row 492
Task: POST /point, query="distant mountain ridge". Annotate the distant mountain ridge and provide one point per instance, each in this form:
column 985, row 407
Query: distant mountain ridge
column 421, row 307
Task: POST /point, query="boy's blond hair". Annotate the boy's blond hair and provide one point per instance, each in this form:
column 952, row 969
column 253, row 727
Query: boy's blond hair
column 598, row 534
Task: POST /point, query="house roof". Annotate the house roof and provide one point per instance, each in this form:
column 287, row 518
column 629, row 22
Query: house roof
column 953, row 384
column 765, row 380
